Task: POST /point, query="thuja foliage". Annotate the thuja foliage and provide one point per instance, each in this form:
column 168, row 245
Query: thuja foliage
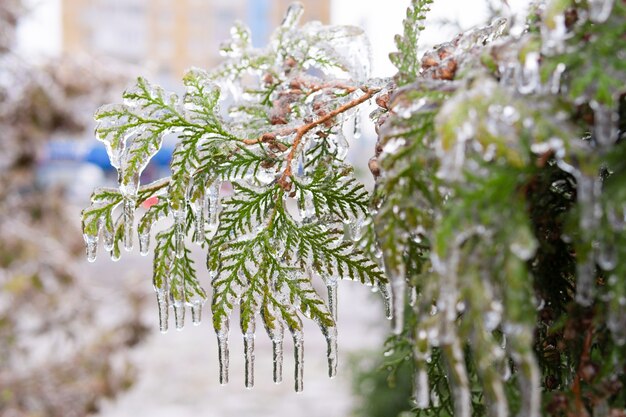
column 258, row 180
column 499, row 209
column 498, row 214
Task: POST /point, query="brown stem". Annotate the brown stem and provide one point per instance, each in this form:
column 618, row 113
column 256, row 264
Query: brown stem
column 304, row 129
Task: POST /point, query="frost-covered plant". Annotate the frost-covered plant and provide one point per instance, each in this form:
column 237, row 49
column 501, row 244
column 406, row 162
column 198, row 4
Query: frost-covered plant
column 498, row 212
column 258, row 180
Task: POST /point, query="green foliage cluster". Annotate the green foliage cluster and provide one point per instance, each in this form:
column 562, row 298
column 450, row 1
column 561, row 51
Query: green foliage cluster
column 499, row 206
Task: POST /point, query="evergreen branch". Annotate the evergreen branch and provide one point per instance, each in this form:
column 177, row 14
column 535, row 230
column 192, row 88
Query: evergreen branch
column 406, row 59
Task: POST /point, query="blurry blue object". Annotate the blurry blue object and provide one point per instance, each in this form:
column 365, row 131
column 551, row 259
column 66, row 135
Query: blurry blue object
column 164, row 156
column 97, row 155
column 62, row 150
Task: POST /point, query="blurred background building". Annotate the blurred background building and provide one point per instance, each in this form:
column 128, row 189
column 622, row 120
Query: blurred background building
column 169, row 36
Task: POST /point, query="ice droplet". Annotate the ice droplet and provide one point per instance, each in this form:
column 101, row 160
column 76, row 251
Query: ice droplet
column 298, row 353
column 91, row 243
column 129, row 220
column 144, row 243
column 600, row 10
column 222, row 348
column 248, row 348
column 163, row 299
column 331, row 286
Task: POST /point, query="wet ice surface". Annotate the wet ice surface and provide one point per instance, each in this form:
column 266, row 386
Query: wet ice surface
column 179, row 372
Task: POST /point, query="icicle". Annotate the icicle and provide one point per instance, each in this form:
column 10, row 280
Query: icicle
column 179, row 224
column 196, row 311
column 398, row 288
column 115, row 254
column 91, row 243
column 421, row 393
column 587, row 192
column 198, row 206
column 330, row 333
column 292, row 16
column 356, row 133
column 222, row 348
column 412, row 296
column 298, row 353
column 276, row 331
column 331, row 286
column 213, row 204
column 528, row 79
column 144, row 243
column 605, row 122
column 109, row 236
column 248, row 347
column 163, row 299
column 607, row 254
column 530, row 388
column 277, row 353
column 421, row 356
column 458, row 379
column 616, row 321
column 129, row 220
column 600, row 10
column 179, row 314
column 385, row 291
